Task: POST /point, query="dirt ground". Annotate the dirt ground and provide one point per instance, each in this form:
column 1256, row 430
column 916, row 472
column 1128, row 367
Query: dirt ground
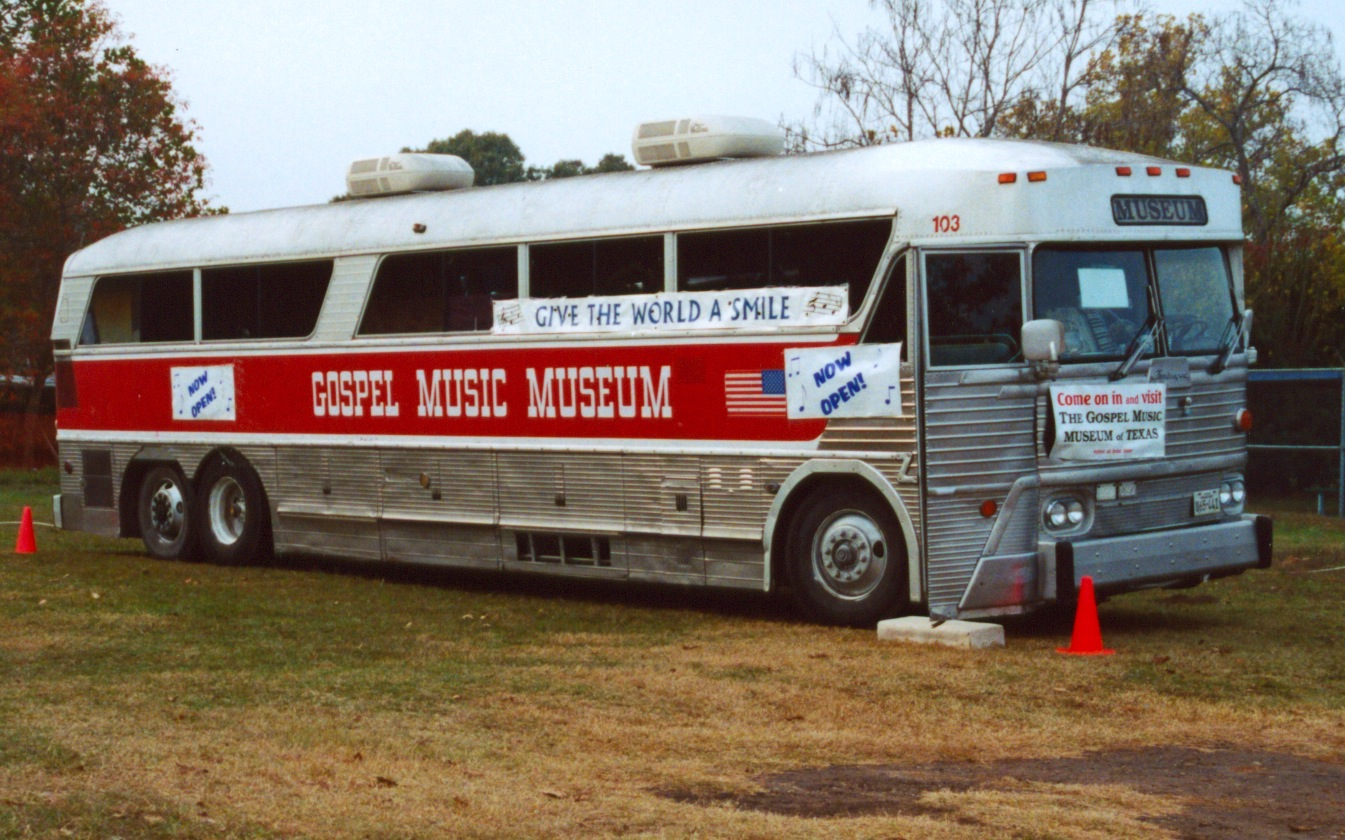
column 1228, row 792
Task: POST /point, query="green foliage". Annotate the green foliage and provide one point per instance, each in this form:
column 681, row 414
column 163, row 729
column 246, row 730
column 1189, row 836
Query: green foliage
column 1141, row 74
column 497, row 159
column 1296, row 286
column 610, row 162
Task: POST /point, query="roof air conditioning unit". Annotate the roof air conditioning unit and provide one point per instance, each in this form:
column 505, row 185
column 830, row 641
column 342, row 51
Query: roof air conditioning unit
column 408, row 172
column 697, row 139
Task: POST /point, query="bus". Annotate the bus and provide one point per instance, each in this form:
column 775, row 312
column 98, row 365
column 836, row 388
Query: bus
column 950, row 377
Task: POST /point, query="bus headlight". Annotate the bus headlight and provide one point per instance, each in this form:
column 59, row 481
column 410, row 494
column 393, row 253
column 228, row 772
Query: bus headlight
column 1232, row 495
column 1064, row 513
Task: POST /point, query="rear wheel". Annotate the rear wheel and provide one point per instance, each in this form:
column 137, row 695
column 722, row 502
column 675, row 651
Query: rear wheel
column 847, row 558
column 235, row 525
column 165, row 512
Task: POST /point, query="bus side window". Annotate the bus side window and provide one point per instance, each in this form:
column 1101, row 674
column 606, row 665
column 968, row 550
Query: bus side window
column 715, row 260
column 831, row 254
column 888, row 325
column 263, row 301
column 624, row 266
column 440, row 292
column 824, row 254
column 975, row 304
column 140, row 308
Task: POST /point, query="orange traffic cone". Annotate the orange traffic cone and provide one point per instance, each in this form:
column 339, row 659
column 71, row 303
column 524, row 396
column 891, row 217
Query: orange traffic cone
column 27, row 542
column 1087, row 638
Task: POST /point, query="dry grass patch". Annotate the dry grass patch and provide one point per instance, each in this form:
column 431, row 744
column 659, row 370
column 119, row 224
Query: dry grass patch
column 316, row 700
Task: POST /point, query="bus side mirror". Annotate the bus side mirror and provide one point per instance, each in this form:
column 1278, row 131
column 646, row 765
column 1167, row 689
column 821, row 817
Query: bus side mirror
column 1043, row 340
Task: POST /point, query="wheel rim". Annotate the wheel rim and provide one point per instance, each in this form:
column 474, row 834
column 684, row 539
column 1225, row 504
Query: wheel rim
column 227, row 510
column 849, row 554
column 166, row 510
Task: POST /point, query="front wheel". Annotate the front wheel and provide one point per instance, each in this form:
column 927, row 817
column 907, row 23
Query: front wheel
column 235, row 523
column 165, row 512
column 847, row 558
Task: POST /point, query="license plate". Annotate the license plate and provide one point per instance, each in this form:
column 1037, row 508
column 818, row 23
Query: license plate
column 1205, row 502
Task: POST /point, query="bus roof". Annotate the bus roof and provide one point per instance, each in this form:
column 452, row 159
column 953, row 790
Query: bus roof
column 910, row 180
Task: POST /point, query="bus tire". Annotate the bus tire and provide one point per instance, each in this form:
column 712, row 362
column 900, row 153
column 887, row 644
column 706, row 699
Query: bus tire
column 165, row 512
column 847, row 558
column 235, row 524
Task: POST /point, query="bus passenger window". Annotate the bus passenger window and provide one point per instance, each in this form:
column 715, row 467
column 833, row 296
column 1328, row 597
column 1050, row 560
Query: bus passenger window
column 975, row 303
column 832, row 254
column 826, row 254
column 440, row 291
column 731, row 259
column 888, row 324
column 263, row 301
column 626, row 266
column 140, row 309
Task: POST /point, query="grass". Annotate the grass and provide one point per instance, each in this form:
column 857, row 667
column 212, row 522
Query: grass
column 155, row 699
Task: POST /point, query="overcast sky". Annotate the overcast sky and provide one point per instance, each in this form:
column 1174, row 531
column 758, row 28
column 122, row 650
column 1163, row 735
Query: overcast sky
column 287, row 92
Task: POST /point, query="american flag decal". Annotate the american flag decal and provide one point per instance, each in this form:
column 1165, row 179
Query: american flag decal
column 755, row 393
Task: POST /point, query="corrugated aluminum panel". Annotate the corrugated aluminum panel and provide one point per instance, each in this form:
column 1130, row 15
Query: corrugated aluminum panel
column 654, row 483
column 345, row 297
column 665, row 560
column 561, row 491
column 1206, row 428
column 440, row 543
column 877, row 434
column 433, row 485
column 979, row 440
column 327, row 501
column 69, row 318
column 735, row 497
column 734, row 563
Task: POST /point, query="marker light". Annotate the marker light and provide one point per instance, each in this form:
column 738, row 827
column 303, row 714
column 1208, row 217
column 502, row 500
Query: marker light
column 1008, row 177
column 1183, row 173
column 1237, row 179
column 1242, row 420
column 1154, row 170
column 988, row 508
column 1036, row 176
column 1123, row 171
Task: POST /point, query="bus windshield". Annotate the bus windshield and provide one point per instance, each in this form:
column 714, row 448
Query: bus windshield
column 1114, row 300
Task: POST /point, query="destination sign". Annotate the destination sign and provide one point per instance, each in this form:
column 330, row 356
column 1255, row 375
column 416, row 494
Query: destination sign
column 1159, row 210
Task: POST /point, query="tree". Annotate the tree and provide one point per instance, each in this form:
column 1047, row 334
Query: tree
column 495, row 158
column 945, row 68
column 610, row 162
column 498, row 160
column 91, row 142
column 1258, row 92
column 1130, row 95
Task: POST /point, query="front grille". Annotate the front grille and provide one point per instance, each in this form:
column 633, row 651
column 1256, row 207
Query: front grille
column 1159, row 503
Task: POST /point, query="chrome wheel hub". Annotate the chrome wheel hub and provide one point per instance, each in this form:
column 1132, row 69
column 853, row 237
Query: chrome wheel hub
column 849, row 554
column 166, row 510
column 227, row 511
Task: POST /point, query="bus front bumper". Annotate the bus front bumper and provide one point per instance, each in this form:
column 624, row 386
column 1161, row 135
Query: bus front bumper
column 1156, row 558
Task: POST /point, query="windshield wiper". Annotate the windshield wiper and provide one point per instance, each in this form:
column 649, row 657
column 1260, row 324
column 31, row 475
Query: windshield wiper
column 1229, row 340
column 1142, row 341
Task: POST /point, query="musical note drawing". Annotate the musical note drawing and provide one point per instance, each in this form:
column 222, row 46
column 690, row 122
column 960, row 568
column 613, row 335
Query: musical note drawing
column 823, row 302
column 890, row 389
column 509, row 314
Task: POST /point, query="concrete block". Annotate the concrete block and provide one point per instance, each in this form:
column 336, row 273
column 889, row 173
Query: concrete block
column 961, row 634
